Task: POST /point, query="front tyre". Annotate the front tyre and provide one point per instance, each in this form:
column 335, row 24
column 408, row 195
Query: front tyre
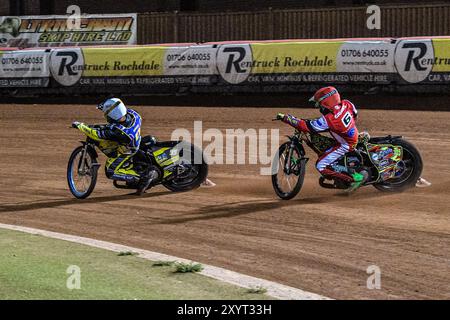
column 412, row 166
column 288, row 171
column 82, row 172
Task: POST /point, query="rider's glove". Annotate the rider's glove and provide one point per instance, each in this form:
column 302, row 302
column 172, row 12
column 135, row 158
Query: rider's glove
column 280, row 116
column 76, row 124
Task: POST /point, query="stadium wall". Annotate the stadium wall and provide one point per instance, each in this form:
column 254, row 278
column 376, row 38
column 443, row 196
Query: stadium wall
column 33, row 7
column 251, row 5
column 327, row 23
column 4, row 8
column 201, row 25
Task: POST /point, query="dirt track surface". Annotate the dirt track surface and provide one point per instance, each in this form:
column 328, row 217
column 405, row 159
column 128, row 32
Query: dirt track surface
column 321, row 241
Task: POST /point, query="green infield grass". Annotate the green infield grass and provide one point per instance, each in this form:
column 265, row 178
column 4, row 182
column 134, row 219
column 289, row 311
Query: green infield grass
column 37, row 267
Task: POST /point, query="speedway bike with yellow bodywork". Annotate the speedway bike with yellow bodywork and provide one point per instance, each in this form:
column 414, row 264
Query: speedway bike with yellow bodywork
column 179, row 165
column 392, row 163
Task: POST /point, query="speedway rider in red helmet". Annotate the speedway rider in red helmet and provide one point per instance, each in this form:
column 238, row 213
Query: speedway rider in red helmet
column 339, row 118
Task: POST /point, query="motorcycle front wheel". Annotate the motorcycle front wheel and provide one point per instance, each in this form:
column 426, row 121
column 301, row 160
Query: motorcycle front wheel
column 288, row 171
column 81, row 172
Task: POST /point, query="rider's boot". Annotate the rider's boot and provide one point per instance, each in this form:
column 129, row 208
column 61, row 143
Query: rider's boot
column 359, row 178
column 145, row 181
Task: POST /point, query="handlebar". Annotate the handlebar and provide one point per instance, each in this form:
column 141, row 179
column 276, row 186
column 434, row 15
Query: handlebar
column 97, row 126
column 94, row 126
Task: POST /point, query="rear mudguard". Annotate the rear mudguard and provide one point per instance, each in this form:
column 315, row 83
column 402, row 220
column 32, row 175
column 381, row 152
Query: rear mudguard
column 385, row 140
column 388, row 140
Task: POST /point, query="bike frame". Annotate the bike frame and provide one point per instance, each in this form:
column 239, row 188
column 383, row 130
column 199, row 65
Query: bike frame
column 299, row 137
column 87, row 145
column 295, row 141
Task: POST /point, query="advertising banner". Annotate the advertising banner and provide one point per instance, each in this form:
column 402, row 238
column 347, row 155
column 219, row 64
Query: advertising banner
column 232, row 66
column 56, row 31
column 423, row 61
column 190, row 60
column 107, row 66
column 307, row 62
column 276, row 62
column 367, row 61
column 28, row 68
column 196, row 65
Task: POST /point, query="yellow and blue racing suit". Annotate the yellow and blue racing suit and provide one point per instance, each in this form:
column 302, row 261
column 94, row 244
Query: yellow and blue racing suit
column 119, row 142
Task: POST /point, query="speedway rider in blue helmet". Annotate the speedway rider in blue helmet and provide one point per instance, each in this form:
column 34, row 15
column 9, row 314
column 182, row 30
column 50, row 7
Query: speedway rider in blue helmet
column 119, row 140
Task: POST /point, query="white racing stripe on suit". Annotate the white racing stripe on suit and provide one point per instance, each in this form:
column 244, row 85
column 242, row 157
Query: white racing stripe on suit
column 331, row 157
column 334, row 154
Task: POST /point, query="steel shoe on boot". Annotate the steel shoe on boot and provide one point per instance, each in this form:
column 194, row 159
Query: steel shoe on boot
column 359, row 178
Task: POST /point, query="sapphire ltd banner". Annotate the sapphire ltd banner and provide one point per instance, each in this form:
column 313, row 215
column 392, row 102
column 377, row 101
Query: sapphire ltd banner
column 56, row 31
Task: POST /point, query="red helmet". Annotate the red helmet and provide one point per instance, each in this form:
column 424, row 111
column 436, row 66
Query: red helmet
column 327, row 97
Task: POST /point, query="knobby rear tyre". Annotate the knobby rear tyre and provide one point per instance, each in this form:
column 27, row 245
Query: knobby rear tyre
column 399, row 186
column 175, row 186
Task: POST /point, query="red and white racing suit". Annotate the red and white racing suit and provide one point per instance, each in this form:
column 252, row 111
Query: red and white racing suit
column 341, row 123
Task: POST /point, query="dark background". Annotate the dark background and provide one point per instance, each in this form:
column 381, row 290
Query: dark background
column 35, row 7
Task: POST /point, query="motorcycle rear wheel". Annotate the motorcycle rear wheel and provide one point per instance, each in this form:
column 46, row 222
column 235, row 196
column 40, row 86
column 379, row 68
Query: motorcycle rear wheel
column 194, row 176
column 412, row 172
